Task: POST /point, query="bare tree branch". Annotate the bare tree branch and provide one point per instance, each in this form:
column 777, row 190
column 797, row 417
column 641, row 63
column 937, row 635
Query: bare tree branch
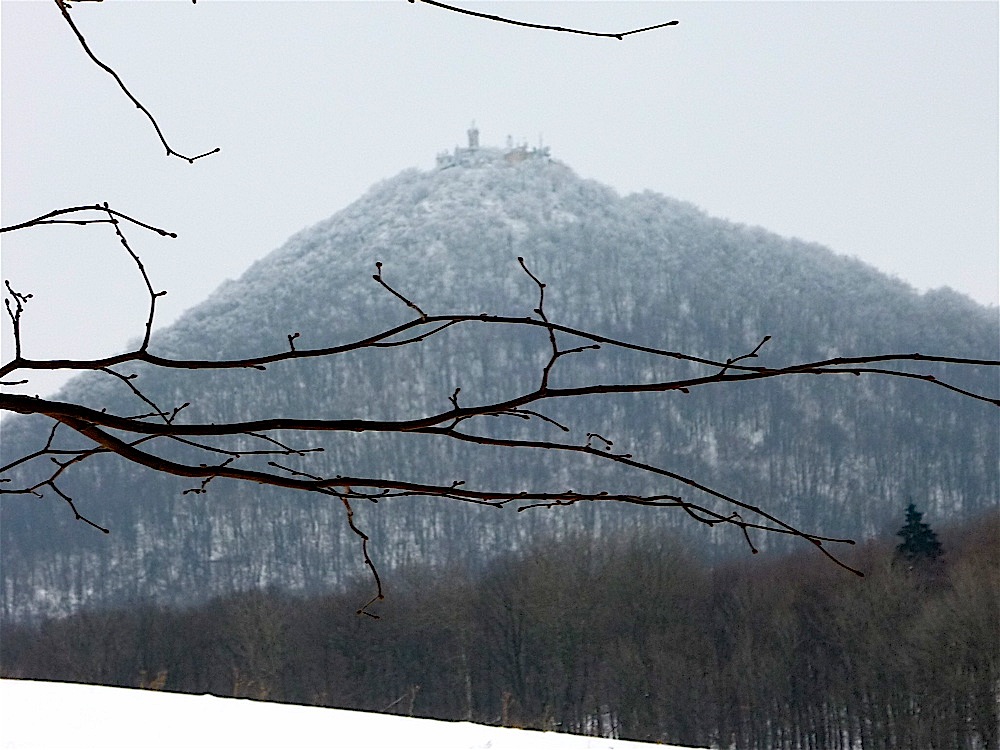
column 14, row 313
column 545, row 27
column 99, row 426
column 51, row 218
column 64, row 8
column 378, row 277
column 135, row 438
column 108, row 432
column 153, row 295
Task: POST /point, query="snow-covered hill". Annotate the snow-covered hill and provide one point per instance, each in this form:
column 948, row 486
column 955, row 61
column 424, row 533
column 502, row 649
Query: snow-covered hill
column 60, row 716
column 839, row 457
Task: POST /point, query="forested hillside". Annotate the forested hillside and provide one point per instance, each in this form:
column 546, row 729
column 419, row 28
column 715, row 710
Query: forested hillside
column 617, row 636
column 837, row 455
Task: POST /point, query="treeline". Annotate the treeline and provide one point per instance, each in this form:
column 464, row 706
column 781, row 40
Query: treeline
column 631, row 638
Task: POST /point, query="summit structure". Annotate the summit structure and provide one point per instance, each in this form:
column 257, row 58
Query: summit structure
column 478, row 156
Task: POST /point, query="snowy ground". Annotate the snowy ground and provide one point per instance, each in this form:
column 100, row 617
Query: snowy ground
column 66, row 716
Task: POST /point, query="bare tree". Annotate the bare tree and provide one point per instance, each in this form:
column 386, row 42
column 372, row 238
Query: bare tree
column 135, row 438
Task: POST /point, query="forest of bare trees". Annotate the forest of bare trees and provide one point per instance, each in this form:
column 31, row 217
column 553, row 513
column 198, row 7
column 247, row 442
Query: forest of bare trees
column 638, row 640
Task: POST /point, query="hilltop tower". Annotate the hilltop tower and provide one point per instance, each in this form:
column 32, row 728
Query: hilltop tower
column 475, row 155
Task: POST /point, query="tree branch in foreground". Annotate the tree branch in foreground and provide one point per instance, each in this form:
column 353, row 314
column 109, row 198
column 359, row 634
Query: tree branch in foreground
column 64, row 8
column 133, row 437
column 544, row 27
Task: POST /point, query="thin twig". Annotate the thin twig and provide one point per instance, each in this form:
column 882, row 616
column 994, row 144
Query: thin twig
column 127, row 379
column 49, row 218
column 409, row 303
column 379, row 594
column 153, row 295
column 545, row 27
column 76, row 513
column 15, row 314
column 64, row 9
column 545, row 321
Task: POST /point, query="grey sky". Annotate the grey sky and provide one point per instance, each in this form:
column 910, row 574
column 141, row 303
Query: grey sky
column 867, row 127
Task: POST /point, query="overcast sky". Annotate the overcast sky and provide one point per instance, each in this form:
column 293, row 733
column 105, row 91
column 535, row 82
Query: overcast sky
column 871, row 128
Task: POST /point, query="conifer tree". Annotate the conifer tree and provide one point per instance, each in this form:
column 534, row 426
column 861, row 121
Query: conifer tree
column 919, row 540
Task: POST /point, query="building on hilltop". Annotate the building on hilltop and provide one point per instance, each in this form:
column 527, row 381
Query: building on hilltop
column 476, row 156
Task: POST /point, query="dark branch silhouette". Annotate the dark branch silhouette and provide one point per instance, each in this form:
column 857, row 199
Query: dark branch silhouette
column 64, row 8
column 52, row 217
column 135, row 437
column 545, row 27
column 131, row 437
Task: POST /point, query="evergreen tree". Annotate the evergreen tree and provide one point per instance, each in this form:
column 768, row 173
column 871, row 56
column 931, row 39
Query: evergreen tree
column 919, row 540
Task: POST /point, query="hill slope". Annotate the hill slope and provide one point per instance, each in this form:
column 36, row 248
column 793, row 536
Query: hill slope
column 834, row 456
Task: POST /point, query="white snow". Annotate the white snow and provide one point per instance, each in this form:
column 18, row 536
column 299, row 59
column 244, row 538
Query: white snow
column 64, row 715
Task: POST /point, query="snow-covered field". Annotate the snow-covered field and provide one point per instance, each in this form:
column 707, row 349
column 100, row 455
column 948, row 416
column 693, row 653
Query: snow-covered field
column 77, row 717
